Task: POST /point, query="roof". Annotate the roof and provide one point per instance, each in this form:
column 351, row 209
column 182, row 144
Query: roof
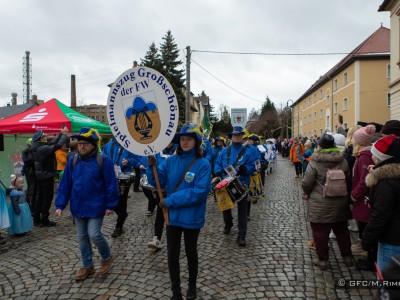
column 376, row 46
column 8, row 111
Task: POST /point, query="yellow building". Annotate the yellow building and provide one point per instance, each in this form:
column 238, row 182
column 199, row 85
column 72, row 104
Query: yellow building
column 94, row 111
column 357, row 88
column 393, row 6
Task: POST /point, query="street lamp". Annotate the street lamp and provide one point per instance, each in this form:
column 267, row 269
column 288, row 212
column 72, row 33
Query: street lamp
column 287, row 120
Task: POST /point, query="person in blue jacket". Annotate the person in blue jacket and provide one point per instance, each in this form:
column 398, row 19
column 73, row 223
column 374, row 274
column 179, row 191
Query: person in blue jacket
column 218, row 146
column 92, row 191
column 123, row 161
column 244, row 165
column 186, row 177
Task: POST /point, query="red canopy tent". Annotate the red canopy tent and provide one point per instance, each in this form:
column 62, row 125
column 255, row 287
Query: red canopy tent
column 50, row 117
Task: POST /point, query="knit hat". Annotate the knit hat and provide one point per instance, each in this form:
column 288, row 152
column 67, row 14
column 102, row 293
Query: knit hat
column 391, row 127
column 363, row 136
column 339, row 139
column 326, row 141
column 386, row 148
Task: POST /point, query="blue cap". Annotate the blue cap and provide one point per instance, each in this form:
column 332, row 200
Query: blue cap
column 236, row 130
column 38, row 135
column 191, row 130
column 87, row 134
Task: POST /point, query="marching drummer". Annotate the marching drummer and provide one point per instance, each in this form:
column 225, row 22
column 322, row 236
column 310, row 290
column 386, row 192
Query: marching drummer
column 123, row 162
column 243, row 160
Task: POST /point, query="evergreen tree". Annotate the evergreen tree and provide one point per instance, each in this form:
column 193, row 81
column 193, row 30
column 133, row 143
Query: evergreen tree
column 152, row 59
column 267, row 105
column 171, row 64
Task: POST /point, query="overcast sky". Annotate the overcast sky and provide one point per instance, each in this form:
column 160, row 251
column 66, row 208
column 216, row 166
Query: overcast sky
column 98, row 40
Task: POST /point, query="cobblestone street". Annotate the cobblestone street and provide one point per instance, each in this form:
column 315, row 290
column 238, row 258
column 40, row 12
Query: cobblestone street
column 276, row 264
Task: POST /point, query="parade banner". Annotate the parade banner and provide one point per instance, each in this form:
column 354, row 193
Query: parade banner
column 142, row 111
column 239, row 117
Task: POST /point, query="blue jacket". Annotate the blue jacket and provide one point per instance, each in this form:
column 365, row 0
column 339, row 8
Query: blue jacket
column 207, row 150
column 248, row 159
column 90, row 190
column 187, row 206
column 112, row 150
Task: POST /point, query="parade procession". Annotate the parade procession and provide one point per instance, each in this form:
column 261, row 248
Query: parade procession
column 170, row 177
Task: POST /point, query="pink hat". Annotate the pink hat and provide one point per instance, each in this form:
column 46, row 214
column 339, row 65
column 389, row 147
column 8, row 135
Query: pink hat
column 363, row 136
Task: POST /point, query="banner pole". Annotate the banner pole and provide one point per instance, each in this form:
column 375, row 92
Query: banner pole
column 160, row 194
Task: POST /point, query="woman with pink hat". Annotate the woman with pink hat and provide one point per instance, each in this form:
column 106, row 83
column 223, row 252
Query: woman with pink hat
column 361, row 210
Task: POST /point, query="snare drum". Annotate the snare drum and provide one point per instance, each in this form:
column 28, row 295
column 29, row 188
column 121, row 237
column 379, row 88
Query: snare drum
column 124, row 183
column 234, row 187
column 144, row 183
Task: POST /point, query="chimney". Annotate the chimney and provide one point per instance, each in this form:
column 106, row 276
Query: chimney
column 33, row 100
column 73, row 92
column 134, row 63
column 14, row 99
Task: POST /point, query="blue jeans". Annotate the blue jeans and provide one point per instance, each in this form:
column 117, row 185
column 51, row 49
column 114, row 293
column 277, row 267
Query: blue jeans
column 89, row 230
column 385, row 253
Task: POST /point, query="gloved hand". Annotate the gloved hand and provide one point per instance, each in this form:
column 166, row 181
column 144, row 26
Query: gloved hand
column 151, row 161
column 162, row 203
column 242, row 170
column 215, row 180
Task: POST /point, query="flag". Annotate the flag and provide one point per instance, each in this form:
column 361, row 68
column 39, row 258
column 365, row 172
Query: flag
column 207, row 126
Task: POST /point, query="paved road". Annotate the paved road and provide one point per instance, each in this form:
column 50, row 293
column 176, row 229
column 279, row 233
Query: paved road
column 276, row 264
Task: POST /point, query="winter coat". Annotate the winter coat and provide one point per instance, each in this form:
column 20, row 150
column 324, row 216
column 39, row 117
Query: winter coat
column 325, row 209
column 248, row 160
column 29, row 162
column 384, row 223
column 45, row 161
column 361, row 210
column 90, row 189
column 294, row 150
column 117, row 153
column 187, row 205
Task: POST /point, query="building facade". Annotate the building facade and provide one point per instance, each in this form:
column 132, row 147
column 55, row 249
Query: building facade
column 356, row 88
column 393, row 6
column 94, row 111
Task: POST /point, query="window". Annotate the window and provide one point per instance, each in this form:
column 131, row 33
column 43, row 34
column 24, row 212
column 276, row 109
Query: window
column 346, row 126
column 315, row 116
column 309, row 101
column 327, row 121
column 309, row 118
column 321, row 114
column 345, row 104
column 388, row 71
column 345, row 78
column 335, row 108
column 328, row 100
column 320, row 132
column 388, row 99
column 321, row 94
column 335, row 86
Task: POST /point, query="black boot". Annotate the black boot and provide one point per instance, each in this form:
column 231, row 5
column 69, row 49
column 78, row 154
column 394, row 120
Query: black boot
column 117, row 232
column 192, row 292
column 47, row 223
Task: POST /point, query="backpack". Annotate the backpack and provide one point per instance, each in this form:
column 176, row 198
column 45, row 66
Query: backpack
column 335, row 184
column 99, row 159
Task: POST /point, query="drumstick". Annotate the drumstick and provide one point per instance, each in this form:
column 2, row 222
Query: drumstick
column 165, row 210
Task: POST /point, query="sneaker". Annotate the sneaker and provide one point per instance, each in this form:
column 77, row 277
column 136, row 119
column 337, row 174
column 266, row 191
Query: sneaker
column 117, row 232
column 353, row 225
column 332, row 235
column 83, row 273
column 106, row 266
column 321, row 264
column 149, row 213
column 357, row 249
column 155, row 244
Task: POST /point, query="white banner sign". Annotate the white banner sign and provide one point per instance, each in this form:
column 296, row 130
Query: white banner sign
column 142, row 111
column 239, row 117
